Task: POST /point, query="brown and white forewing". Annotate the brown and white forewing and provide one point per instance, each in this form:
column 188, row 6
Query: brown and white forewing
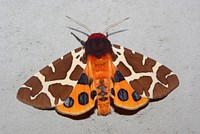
column 53, row 84
column 147, row 76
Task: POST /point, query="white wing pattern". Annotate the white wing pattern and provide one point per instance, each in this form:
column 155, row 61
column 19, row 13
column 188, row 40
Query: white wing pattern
column 147, row 76
column 52, row 85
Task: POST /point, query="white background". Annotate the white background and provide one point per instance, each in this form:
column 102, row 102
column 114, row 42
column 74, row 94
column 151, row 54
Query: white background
column 34, row 33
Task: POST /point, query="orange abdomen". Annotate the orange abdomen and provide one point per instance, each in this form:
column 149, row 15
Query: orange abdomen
column 101, row 71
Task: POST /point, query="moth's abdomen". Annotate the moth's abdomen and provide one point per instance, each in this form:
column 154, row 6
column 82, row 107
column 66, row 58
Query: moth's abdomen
column 103, row 96
column 100, row 71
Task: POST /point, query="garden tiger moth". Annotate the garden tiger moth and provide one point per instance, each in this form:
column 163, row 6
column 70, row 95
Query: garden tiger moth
column 97, row 74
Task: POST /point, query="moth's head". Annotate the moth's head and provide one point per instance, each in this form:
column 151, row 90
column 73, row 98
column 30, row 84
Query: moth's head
column 97, row 35
column 97, row 45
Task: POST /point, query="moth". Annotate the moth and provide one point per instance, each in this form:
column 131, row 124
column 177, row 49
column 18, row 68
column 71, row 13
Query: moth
column 96, row 74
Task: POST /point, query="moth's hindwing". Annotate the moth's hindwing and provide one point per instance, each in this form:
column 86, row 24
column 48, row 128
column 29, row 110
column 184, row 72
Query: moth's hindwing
column 53, row 84
column 124, row 95
column 81, row 99
column 145, row 75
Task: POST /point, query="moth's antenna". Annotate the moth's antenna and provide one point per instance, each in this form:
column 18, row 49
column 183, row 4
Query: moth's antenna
column 81, row 41
column 78, row 31
column 83, row 25
column 109, row 34
column 114, row 24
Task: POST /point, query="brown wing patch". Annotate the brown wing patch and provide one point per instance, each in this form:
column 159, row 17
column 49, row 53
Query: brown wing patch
column 61, row 67
column 142, row 85
column 168, row 82
column 24, row 95
column 118, row 53
column 162, row 73
column 36, row 85
column 77, row 49
column 116, row 46
column 76, row 73
column 42, row 101
column 160, row 90
column 59, row 91
column 123, row 69
column 114, row 57
column 135, row 61
column 83, row 59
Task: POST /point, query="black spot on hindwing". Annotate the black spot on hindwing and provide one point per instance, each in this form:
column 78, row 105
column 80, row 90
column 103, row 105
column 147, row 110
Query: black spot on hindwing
column 69, row 102
column 83, row 79
column 93, row 94
column 90, row 82
column 112, row 91
column 122, row 94
column 136, row 96
column 83, row 98
column 118, row 76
